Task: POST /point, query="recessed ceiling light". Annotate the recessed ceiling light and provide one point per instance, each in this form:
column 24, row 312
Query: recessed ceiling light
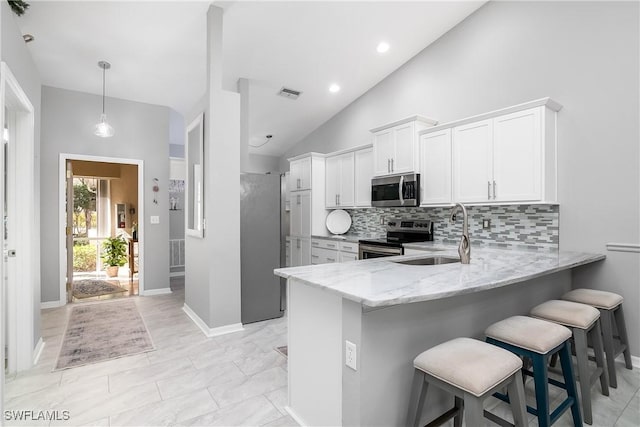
column 28, row 38
column 334, row 88
column 382, row 47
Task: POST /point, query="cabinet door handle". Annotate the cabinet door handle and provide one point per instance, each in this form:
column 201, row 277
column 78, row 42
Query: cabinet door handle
column 389, row 165
column 338, row 199
column 494, row 190
column 488, row 190
column 392, row 164
column 298, row 199
column 298, row 245
column 331, row 259
column 298, row 183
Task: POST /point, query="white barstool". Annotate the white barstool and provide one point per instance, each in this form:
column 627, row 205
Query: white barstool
column 471, row 370
column 612, row 319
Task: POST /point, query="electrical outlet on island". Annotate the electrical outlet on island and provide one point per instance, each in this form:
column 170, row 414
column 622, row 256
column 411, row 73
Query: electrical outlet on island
column 350, row 355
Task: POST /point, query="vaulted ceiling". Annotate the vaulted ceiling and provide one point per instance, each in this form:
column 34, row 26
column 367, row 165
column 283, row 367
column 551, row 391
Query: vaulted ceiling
column 158, row 52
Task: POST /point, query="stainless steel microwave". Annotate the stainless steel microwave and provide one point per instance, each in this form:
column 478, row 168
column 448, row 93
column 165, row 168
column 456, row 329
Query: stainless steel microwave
column 397, row 190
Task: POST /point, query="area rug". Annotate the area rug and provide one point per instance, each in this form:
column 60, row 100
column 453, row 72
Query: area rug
column 89, row 288
column 103, row 331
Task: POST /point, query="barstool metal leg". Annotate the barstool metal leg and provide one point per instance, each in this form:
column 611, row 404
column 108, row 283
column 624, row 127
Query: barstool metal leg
column 606, row 318
column 580, row 339
column 596, row 338
column 624, row 339
column 517, row 400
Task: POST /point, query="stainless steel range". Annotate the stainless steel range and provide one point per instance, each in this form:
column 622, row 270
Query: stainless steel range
column 399, row 231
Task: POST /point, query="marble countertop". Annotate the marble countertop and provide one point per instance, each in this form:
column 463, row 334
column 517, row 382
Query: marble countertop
column 381, row 282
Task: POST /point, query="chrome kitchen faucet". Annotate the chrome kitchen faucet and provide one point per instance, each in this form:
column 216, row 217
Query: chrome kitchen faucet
column 464, row 248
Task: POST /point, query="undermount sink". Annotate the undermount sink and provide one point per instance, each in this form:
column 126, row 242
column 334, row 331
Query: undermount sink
column 434, row 260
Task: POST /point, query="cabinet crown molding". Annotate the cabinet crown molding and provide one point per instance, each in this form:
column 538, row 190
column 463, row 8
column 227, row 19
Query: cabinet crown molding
column 302, row 156
column 547, row 102
column 415, row 118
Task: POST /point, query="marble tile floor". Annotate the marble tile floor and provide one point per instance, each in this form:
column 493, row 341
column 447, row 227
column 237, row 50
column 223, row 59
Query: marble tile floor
column 191, row 380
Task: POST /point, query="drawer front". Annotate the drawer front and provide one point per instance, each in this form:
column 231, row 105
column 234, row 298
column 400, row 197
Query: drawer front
column 347, row 256
column 323, row 256
column 349, row 247
column 325, row 243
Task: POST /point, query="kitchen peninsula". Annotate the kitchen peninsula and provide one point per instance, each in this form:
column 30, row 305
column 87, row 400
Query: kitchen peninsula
column 392, row 312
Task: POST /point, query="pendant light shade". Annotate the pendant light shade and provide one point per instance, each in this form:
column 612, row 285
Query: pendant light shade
column 103, row 128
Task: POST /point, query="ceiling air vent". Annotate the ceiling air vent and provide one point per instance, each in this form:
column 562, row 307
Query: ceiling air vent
column 289, row 93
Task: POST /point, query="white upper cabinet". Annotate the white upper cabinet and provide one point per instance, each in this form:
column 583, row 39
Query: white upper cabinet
column 300, row 178
column 503, row 156
column 363, row 175
column 395, row 146
column 339, row 180
column 517, row 152
column 435, row 167
column 472, row 162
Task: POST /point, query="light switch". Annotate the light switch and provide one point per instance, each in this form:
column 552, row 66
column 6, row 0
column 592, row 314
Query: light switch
column 155, row 219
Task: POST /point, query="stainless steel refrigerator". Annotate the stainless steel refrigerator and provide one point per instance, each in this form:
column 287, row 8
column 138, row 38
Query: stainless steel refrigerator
column 260, row 210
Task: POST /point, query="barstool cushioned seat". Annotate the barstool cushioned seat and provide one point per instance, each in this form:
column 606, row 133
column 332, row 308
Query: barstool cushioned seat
column 595, row 298
column 526, row 332
column 567, row 313
column 471, row 365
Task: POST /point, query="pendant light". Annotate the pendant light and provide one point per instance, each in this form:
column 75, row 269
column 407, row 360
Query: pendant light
column 103, row 129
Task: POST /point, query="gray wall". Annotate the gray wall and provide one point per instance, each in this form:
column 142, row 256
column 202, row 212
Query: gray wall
column 142, row 133
column 585, row 56
column 17, row 56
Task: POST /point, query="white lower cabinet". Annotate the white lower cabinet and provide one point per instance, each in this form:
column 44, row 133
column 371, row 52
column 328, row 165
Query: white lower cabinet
column 325, row 251
column 300, row 251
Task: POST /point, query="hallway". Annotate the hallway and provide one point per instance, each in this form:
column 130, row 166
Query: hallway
column 236, row 379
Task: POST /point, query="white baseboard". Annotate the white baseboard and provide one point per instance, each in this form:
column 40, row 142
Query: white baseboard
column 152, row 292
column 37, row 352
column 295, row 416
column 176, row 274
column 51, row 304
column 211, row 332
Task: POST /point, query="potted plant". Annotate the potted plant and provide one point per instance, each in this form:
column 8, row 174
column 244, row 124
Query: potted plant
column 114, row 254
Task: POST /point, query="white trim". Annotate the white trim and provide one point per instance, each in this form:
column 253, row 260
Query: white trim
column 177, row 274
column 295, row 416
column 349, row 150
column 623, row 247
column 63, row 217
column 305, row 155
column 20, row 288
column 206, row 330
column 38, row 351
column 414, row 118
column 547, row 102
column 51, row 304
column 153, row 292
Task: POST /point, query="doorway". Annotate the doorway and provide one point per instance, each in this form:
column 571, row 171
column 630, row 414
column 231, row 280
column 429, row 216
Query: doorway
column 19, row 267
column 101, row 201
column 102, row 217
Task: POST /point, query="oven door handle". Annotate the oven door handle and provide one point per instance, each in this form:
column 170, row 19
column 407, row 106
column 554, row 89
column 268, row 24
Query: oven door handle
column 401, row 189
column 379, row 249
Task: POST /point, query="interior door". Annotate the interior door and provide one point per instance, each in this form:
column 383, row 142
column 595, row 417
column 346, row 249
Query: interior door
column 69, row 229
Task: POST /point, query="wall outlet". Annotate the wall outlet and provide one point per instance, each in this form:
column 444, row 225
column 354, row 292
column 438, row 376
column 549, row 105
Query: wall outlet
column 486, row 224
column 382, row 220
column 155, row 219
column 350, row 355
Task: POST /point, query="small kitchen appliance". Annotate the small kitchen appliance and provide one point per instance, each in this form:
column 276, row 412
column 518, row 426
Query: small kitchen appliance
column 399, row 231
column 396, row 190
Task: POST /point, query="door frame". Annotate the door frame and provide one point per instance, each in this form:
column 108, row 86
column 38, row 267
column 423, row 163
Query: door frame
column 63, row 217
column 21, row 290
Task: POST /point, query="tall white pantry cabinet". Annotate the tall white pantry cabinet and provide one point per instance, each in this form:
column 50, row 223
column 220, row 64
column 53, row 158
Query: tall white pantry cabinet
column 307, row 214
